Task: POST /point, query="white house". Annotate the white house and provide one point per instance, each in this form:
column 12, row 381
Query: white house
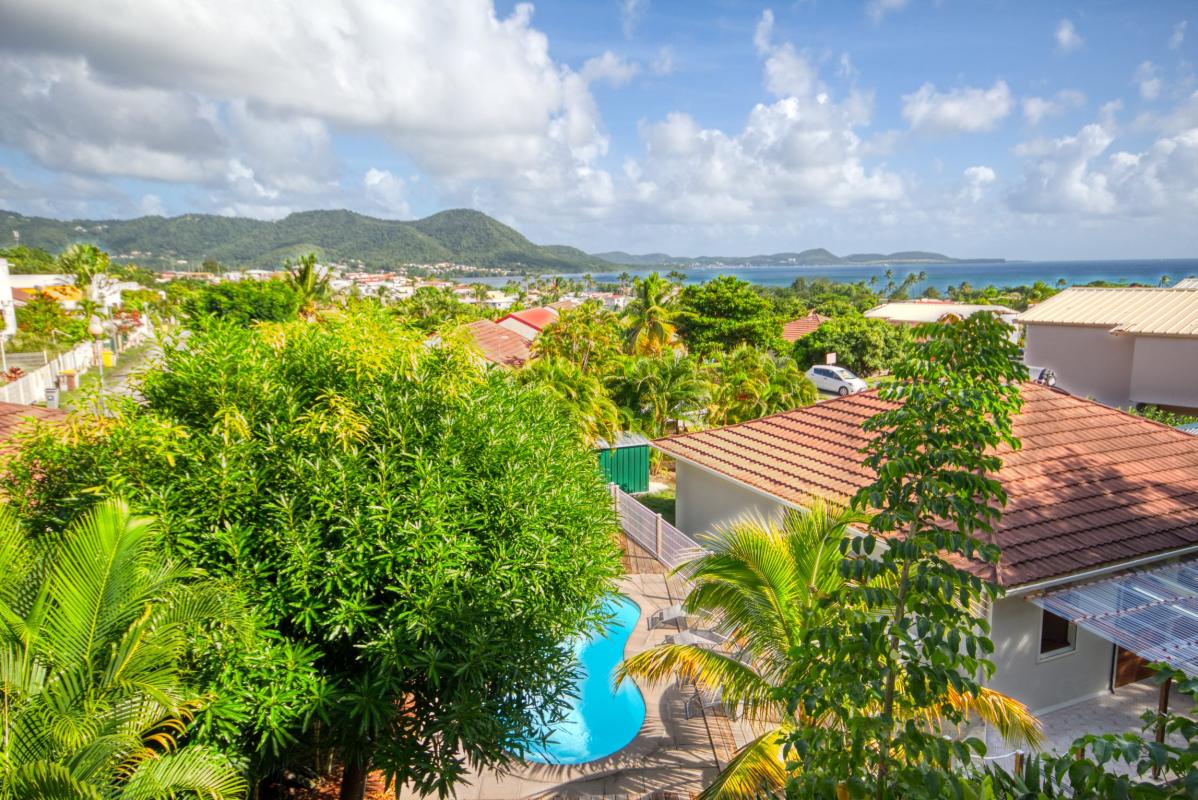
column 918, row 312
column 1093, row 492
column 1120, row 346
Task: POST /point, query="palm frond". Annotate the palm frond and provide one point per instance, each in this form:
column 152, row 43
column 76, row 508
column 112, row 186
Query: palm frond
column 756, row 771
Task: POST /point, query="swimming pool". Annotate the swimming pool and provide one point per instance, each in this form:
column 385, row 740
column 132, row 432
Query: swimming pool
column 600, row 721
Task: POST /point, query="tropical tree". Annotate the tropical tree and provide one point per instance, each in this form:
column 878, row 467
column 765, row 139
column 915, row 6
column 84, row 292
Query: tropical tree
column 749, row 383
column 762, row 586
column 582, row 394
column 655, row 391
column 309, row 281
column 85, row 262
column 588, row 336
column 95, row 625
column 726, row 312
column 651, row 318
column 861, row 344
column 243, row 302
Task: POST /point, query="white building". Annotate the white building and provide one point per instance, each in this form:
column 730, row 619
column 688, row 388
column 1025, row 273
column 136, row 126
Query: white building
column 1093, row 492
column 1120, row 346
column 919, row 312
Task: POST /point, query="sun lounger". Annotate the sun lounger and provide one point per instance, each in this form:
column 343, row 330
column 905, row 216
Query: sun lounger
column 674, row 615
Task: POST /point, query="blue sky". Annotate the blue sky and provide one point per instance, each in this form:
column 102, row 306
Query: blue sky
column 1016, row 129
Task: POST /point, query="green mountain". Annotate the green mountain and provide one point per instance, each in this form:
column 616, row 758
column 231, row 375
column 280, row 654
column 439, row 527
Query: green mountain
column 816, row 257
column 460, row 236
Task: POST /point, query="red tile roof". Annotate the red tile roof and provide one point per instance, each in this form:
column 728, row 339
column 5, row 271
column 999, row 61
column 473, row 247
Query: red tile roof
column 536, row 318
column 13, row 416
column 802, row 326
column 497, row 344
column 1091, row 486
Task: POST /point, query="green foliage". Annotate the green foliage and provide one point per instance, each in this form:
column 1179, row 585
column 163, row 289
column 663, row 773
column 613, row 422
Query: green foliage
column 308, row 280
column 916, row 647
column 749, row 383
column 460, row 236
column 24, row 260
column 85, row 262
column 581, row 393
column 823, row 296
column 654, row 393
column 725, row 312
column 96, row 624
column 431, row 310
column 43, row 322
column 423, row 535
column 651, row 319
column 863, row 345
column 588, row 336
column 1164, row 416
column 244, row 302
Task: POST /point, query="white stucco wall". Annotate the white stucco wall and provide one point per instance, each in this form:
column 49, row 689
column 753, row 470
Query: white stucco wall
column 1057, row 681
column 705, row 500
column 1089, row 362
column 1165, row 371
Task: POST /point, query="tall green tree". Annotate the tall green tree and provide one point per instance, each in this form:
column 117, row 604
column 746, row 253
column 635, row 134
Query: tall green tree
column 655, row 393
column 583, row 394
column 309, row 280
column 917, row 638
column 95, row 625
column 243, row 302
column 726, row 312
column 763, row 585
column 423, row 536
column 85, row 262
column 588, row 336
column 651, row 318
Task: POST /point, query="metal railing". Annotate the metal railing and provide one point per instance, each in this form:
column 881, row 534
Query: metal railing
column 668, row 545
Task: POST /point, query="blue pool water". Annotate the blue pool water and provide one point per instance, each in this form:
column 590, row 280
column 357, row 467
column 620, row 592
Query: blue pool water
column 600, row 720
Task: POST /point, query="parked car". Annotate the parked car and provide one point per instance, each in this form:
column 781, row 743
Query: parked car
column 836, row 380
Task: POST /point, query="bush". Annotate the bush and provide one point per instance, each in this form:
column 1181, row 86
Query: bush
column 865, row 346
column 244, row 302
column 726, row 312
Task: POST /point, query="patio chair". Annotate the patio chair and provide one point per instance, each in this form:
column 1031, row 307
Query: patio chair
column 708, row 640
column 674, row 615
column 701, row 702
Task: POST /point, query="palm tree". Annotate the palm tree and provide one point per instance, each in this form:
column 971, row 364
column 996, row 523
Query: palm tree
column 584, row 395
column 653, row 391
column 309, row 281
column 1166, row 280
column 749, row 383
column 651, row 316
column 85, row 262
column 93, row 627
column 762, row 584
column 625, row 280
column 479, row 291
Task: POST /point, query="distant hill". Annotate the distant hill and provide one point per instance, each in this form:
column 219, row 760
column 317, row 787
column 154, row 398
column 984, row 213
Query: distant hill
column 461, row 236
column 816, row 257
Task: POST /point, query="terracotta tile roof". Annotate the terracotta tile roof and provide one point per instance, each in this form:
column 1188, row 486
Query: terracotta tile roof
column 802, row 326
column 536, row 318
column 497, row 344
column 13, row 416
column 1091, row 485
column 1152, row 312
column 565, row 305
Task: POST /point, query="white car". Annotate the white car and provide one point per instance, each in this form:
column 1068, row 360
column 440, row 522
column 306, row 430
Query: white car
column 835, row 380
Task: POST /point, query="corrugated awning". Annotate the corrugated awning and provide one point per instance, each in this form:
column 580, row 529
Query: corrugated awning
column 1153, row 613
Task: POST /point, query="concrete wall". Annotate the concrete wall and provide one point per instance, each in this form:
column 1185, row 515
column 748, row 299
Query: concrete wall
column 1089, row 362
column 1165, row 371
column 705, row 500
column 1057, row 681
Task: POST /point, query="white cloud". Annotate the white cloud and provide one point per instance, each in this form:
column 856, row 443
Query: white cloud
column 631, row 12
column 609, row 67
column 1036, row 109
column 175, row 93
column 877, row 9
column 1178, row 35
column 151, row 205
column 1148, row 80
column 1068, row 39
column 386, row 192
column 977, row 180
column 1061, row 178
column 664, row 63
column 969, row 110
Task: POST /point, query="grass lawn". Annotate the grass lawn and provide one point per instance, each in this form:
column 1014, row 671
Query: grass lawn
column 660, row 503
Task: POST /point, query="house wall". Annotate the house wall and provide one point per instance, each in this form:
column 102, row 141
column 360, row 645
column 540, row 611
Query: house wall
column 1165, row 371
column 1088, row 362
column 705, row 500
column 1042, row 685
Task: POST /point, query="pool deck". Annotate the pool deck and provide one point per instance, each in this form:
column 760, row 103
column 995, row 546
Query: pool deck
column 671, row 757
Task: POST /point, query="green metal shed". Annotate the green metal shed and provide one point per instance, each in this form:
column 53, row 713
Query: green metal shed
column 625, row 462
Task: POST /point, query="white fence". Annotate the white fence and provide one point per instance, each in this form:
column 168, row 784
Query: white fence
column 670, row 545
column 30, row 388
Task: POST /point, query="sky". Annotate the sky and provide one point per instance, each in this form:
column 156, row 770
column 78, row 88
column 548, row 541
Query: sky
column 1032, row 130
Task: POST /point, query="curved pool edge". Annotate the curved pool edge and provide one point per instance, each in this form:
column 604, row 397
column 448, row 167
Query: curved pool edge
column 594, row 766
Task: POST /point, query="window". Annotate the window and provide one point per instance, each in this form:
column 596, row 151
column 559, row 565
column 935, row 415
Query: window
column 1057, row 635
